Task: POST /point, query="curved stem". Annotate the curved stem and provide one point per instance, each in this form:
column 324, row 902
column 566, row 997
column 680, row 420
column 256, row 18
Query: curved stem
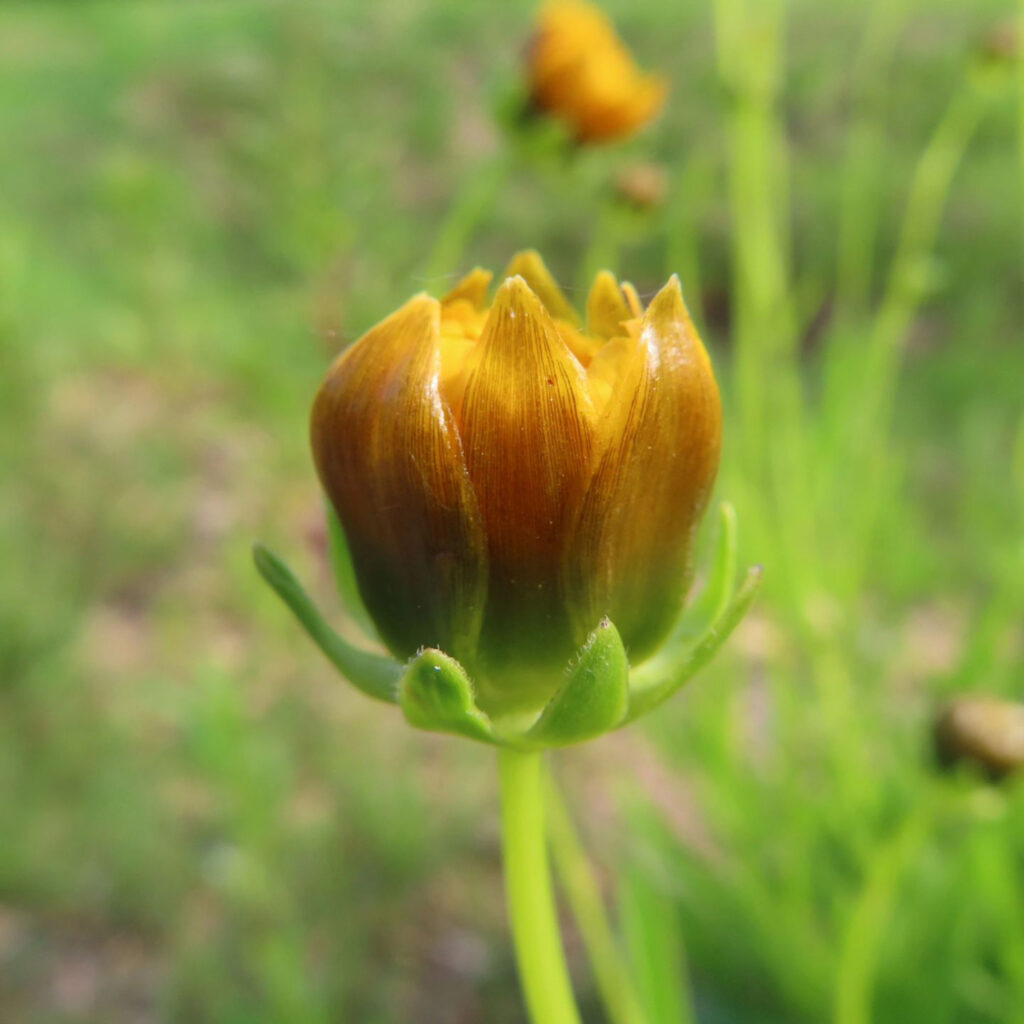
column 543, row 973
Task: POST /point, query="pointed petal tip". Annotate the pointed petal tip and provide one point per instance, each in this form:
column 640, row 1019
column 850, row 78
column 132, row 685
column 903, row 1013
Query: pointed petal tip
column 668, row 304
column 525, row 257
column 530, row 265
column 675, row 286
column 471, row 288
column 515, row 291
column 420, row 302
column 515, row 299
column 607, row 306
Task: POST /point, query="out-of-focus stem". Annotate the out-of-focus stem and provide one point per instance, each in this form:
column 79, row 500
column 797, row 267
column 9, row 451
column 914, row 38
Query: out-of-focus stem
column 470, row 207
column 581, row 888
column 533, row 918
column 869, row 418
column 858, row 208
column 603, row 249
column 862, row 943
column 767, row 379
column 682, row 250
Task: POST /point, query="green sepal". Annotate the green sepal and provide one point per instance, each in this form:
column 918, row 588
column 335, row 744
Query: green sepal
column 436, row 694
column 594, row 697
column 375, row 674
column 345, row 575
column 651, row 688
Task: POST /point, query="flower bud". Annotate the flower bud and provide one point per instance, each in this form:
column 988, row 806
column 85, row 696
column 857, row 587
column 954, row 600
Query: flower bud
column 580, row 72
column 643, row 186
column 983, row 730
column 507, row 480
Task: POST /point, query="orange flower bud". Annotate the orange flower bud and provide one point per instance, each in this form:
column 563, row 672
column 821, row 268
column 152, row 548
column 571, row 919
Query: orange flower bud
column 507, row 479
column 580, row 72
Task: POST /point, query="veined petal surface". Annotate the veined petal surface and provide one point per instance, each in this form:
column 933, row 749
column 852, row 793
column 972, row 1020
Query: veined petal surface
column 658, row 446
column 472, row 289
column 606, row 307
column 389, row 456
column 533, row 270
column 527, row 434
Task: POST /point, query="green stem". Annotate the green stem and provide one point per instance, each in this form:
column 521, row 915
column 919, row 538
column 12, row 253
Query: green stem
column 859, row 207
column 861, row 947
column 581, row 888
column 603, row 249
column 693, row 191
column 471, row 206
column 870, row 419
column 543, row 973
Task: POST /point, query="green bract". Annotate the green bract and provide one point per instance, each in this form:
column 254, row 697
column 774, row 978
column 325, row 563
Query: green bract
column 598, row 693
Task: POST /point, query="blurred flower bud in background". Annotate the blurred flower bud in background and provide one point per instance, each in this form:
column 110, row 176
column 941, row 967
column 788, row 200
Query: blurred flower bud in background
column 580, row 72
column 1001, row 44
column 985, row 731
column 642, row 185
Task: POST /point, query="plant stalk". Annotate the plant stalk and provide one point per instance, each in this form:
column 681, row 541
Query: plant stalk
column 533, row 917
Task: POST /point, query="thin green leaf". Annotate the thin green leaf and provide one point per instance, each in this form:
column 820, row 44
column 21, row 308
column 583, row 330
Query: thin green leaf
column 345, row 575
column 376, row 675
column 646, row 696
column 718, row 592
column 654, row 943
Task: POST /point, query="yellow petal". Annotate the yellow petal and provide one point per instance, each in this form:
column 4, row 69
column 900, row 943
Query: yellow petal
column 581, row 72
column 582, row 346
column 659, row 443
column 472, row 288
column 633, row 104
column 605, row 371
column 526, row 432
column 606, row 307
column 531, row 268
column 389, row 456
column 636, row 307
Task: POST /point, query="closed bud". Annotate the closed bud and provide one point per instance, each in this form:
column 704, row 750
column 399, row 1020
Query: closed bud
column 509, row 477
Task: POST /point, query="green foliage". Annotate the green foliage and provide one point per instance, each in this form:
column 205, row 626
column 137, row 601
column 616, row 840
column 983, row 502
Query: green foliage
column 200, row 203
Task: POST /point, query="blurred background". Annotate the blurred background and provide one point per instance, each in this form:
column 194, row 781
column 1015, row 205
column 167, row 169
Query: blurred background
column 200, row 204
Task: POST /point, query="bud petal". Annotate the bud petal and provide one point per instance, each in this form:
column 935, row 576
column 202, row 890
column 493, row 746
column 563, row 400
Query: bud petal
column 527, row 436
column 658, row 448
column 606, row 307
column 529, row 266
column 472, row 289
column 389, row 456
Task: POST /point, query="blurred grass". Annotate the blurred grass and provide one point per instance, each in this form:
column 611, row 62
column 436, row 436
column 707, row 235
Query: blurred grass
column 199, row 205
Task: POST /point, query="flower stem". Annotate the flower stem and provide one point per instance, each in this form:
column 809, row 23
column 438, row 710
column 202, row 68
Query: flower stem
column 543, row 973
